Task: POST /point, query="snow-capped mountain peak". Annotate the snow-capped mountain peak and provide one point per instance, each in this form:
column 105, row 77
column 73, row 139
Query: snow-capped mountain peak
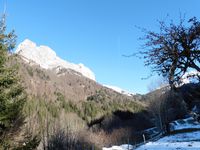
column 47, row 58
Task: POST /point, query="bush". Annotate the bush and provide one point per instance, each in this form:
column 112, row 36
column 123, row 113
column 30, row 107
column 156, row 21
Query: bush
column 62, row 140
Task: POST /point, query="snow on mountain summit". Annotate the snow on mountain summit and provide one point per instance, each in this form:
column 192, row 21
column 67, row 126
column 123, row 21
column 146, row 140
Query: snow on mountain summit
column 119, row 90
column 47, row 58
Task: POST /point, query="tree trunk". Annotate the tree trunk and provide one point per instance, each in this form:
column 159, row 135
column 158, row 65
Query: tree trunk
column 171, row 75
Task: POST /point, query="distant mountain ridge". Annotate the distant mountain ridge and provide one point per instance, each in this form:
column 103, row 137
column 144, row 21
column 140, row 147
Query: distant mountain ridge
column 47, row 58
column 119, row 90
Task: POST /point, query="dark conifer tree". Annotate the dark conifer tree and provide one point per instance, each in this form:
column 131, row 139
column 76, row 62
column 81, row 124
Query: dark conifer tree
column 12, row 95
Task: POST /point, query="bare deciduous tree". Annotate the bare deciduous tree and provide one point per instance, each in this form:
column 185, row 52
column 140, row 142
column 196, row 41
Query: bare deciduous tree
column 173, row 50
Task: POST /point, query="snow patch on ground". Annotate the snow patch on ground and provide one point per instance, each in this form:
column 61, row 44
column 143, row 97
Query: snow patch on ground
column 121, row 147
column 188, row 123
column 181, row 141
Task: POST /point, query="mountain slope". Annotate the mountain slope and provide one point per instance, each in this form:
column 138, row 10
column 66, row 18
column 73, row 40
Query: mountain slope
column 70, row 100
column 70, row 83
column 65, row 98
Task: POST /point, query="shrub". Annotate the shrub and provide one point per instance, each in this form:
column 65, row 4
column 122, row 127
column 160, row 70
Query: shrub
column 62, row 140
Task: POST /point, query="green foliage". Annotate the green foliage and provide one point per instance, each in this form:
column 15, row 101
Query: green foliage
column 41, row 107
column 100, row 104
column 100, row 96
column 97, row 105
column 12, row 95
column 60, row 96
column 69, row 106
column 53, row 110
column 90, row 110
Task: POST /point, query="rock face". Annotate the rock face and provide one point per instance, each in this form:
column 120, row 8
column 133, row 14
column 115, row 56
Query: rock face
column 47, row 58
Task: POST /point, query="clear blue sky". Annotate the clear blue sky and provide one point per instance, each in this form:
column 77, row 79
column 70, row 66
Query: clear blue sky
column 96, row 32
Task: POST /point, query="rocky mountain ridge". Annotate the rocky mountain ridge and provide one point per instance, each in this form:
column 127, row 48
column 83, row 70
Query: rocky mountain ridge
column 47, row 58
